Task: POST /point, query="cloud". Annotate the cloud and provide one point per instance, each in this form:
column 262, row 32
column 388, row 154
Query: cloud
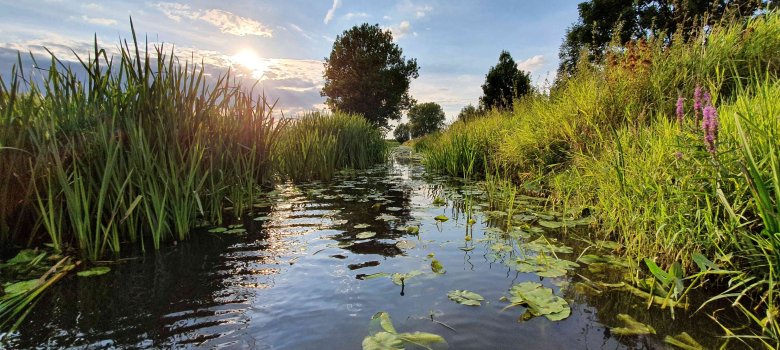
column 98, row 21
column 451, row 91
column 226, row 22
column 401, row 29
column 418, row 11
column 300, row 31
column 353, row 15
column 92, row 6
column 332, row 11
column 532, row 64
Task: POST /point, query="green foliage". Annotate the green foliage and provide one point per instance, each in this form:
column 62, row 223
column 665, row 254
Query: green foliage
column 402, row 133
column 425, row 118
column 383, row 336
column 504, row 83
column 316, row 145
column 469, row 113
column 367, row 74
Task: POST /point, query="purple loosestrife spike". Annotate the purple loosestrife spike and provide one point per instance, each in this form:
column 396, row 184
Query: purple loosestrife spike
column 707, row 99
column 696, row 101
column 680, row 109
column 710, row 125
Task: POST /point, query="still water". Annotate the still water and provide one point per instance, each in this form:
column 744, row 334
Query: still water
column 298, row 278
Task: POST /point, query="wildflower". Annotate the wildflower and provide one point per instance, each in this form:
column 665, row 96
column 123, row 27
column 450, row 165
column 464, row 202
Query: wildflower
column 710, row 125
column 678, row 155
column 680, row 109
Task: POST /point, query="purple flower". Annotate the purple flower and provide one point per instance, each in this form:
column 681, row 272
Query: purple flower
column 678, row 155
column 710, row 125
column 680, row 109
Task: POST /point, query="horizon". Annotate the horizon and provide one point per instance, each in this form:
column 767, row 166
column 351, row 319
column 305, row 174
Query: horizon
column 283, row 47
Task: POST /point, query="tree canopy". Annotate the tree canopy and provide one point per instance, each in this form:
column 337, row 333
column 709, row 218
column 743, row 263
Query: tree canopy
column 504, row 83
column 425, row 118
column 401, row 132
column 602, row 20
column 468, row 113
column 367, row 74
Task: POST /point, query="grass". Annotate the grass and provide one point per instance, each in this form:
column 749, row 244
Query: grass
column 608, row 139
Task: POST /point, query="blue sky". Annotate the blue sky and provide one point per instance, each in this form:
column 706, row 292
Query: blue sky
column 283, row 43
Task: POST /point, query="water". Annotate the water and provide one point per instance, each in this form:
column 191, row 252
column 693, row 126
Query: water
column 287, row 284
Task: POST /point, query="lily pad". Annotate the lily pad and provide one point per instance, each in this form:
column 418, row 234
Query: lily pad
column 539, row 300
column 387, row 217
column 95, row 271
column 413, row 230
column 218, row 229
column 361, row 226
column 437, row 267
column 632, row 326
column 262, row 218
column 383, row 336
column 400, row 278
column 441, row 218
column 235, row 231
column 404, row 244
column 365, row 235
column 465, row 297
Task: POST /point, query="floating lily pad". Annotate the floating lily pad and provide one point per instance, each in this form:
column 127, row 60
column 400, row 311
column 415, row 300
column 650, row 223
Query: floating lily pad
column 262, row 218
column 465, row 297
column 95, row 271
column 439, row 201
column 441, row 218
column 361, row 226
column 413, row 230
column 393, row 208
column 236, row 226
column 218, row 229
column 387, row 217
column 632, row 327
column 539, row 300
column 404, row 244
column 365, row 235
column 374, row 275
column 400, row 278
column 383, row 336
column 235, row 231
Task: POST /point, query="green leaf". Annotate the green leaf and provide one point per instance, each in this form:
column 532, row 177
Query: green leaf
column 539, row 300
column 400, row 278
column 218, row 230
column 95, row 271
column 632, row 327
column 422, row 339
column 235, row 231
column 465, row 297
column 703, row 263
column 437, row 267
column 441, row 218
column 683, row 341
column 365, row 235
column 383, row 341
column 361, row 226
column 20, row 287
column 413, row 230
column 382, row 320
column 659, row 274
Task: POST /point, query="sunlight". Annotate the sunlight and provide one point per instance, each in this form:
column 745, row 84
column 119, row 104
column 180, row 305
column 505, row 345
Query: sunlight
column 252, row 61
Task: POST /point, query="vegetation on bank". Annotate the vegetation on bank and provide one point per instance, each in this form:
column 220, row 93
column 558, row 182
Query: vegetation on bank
column 673, row 145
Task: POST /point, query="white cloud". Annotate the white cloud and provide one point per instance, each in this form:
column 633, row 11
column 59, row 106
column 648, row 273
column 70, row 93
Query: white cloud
column 92, row 6
column 98, row 21
column 353, row 15
column 418, row 11
column 227, row 22
column 452, row 92
column 387, row 18
column 532, row 64
column 300, row 31
column 332, row 11
column 401, row 29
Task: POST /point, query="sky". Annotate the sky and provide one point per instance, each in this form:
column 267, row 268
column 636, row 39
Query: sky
column 283, row 43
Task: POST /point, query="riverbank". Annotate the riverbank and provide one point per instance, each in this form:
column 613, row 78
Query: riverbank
column 672, row 146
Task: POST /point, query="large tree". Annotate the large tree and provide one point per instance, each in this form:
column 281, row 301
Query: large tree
column 504, row 83
column 601, row 21
column 367, row 74
column 469, row 113
column 425, row 118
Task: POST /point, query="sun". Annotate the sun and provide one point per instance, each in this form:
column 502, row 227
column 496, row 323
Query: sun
column 250, row 60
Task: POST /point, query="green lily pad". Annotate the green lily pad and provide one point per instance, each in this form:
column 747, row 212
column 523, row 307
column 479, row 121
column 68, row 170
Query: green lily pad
column 441, row 218
column 465, row 297
column 439, row 201
column 404, row 244
column 262, row 218
column 632, row 327
column 218, row 229
column 413, row 230
column 361, row 226
column 387, row 217
column 400, row 278
column 393, row 208
column 365, row 235
column 235, row 231
column 383, row 336
column 95, row 271
column 539, row 300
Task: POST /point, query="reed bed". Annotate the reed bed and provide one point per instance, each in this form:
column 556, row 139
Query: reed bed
column 674, row 147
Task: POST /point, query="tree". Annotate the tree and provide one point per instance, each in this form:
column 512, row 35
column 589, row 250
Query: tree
column 425, row 118
column 367, row 74
column 504, row 83
column 602, row 20
column 468, row 113
column 401, row 132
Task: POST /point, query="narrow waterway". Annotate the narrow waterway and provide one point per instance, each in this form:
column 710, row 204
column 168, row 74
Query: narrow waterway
column 316, row 261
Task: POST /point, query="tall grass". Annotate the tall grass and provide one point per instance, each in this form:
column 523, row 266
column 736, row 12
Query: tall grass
column 607, row 138
column 316, row 145
column 132, row 149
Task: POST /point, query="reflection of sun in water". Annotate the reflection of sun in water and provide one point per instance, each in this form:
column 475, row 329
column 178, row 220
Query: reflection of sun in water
column 252, row 61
